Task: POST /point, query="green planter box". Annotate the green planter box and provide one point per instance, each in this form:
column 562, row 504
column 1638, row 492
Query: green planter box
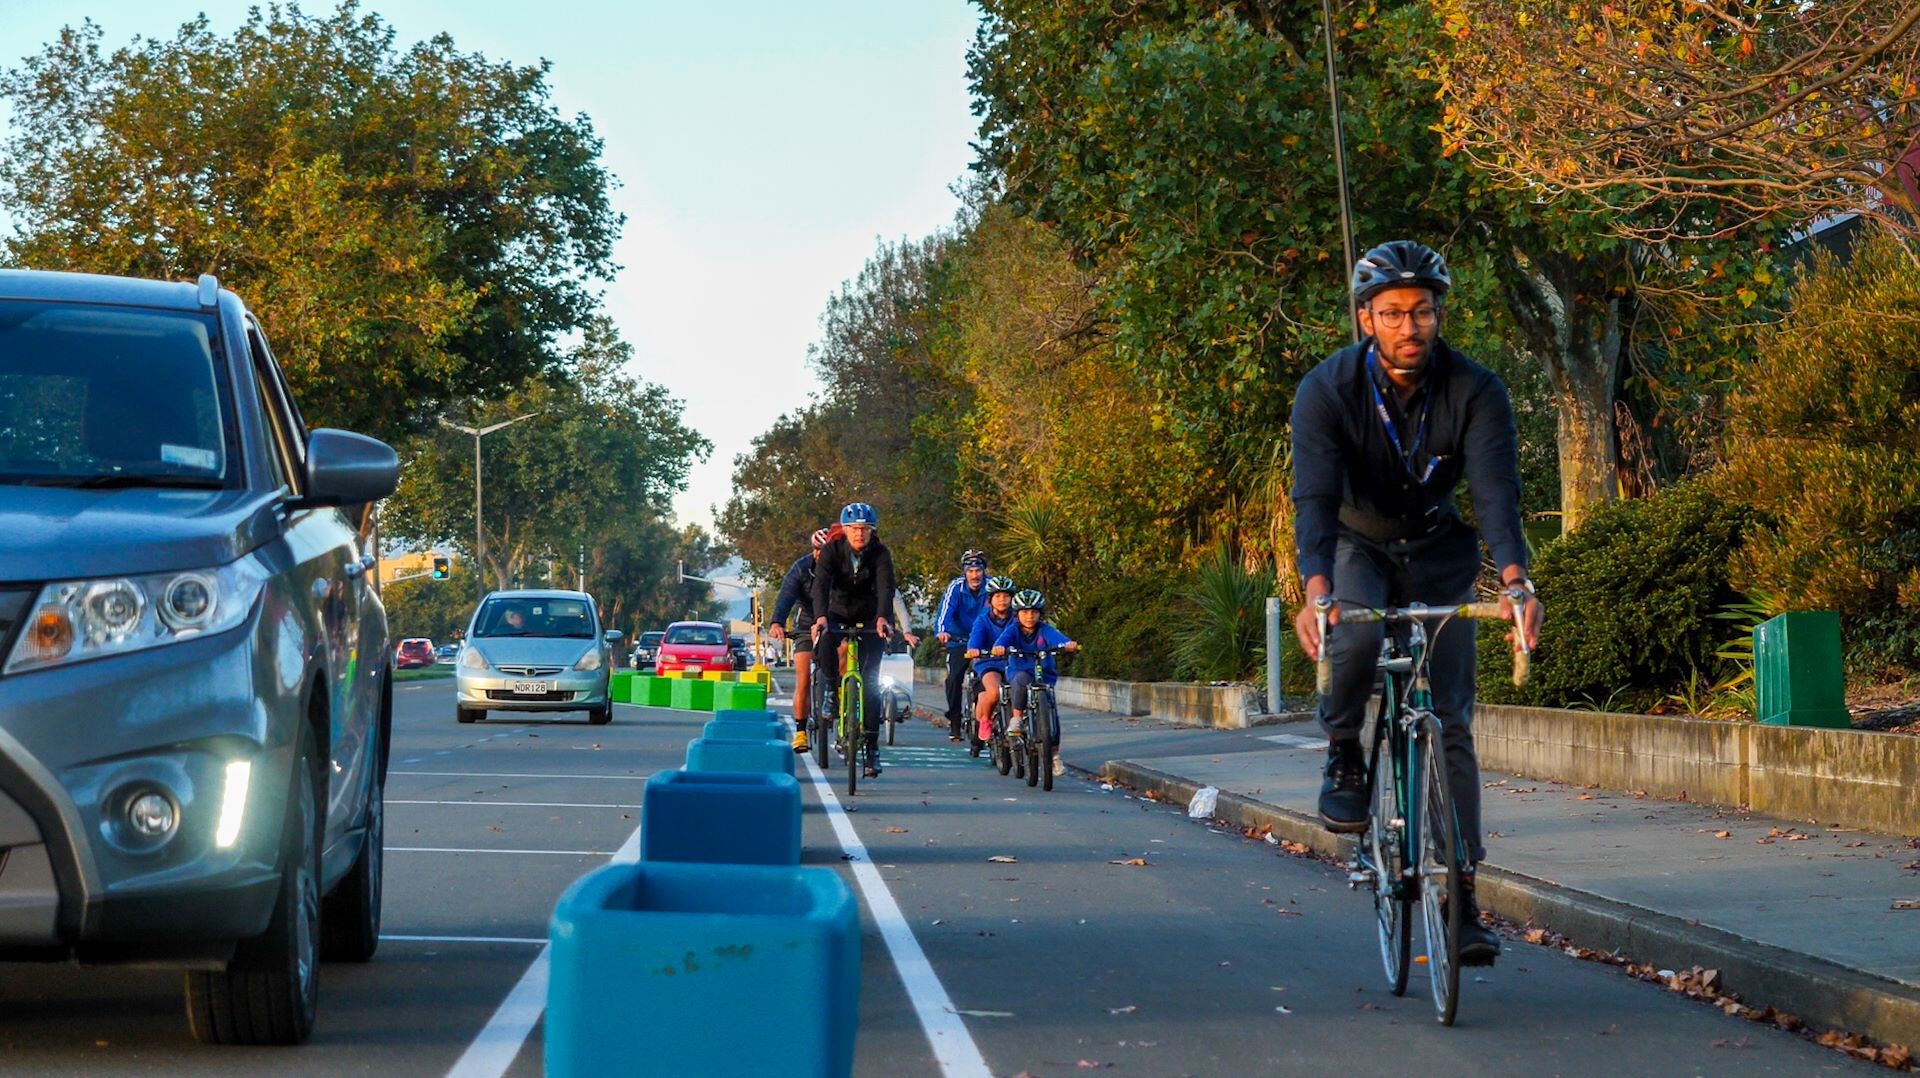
column 739, row 695
column 620, row 688
column 692, row 695
column 655, row 692
column 1796, row 670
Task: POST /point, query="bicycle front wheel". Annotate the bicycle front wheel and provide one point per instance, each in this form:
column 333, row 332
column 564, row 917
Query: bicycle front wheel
column 853, row 721
column 1047, row 723
column 822, row 733
column 1441, row 875
column 1386, row 848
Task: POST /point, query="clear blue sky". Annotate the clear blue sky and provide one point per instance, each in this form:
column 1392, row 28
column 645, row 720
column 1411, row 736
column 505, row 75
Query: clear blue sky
column 762, row 147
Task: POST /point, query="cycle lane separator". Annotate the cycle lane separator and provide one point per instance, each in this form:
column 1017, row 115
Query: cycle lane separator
column 499, row 1042
column 953, row 1046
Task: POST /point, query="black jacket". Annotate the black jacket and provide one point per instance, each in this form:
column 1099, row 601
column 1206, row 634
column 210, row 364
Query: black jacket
column 795, row 590
column 849, row 593
column 1346, row 470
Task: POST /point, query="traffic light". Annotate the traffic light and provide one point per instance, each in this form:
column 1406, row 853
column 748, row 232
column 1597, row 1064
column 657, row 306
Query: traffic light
column 442, row 568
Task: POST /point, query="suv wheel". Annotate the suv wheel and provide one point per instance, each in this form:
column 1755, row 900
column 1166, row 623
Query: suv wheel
column 350, row 916
column 269, row 991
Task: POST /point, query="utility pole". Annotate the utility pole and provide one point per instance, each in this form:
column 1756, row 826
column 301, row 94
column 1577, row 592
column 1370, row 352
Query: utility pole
column 479, row 527
column 1340, row 164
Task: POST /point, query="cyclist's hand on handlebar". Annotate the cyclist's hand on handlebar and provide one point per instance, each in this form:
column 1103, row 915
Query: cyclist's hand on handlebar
column 777, row 631
column 880, row 626
column 819, row 626
column 912, row 640
column 999, row 651
column 944, row 637
column 1071, row 645
column 1526, row 623
column 973, row 653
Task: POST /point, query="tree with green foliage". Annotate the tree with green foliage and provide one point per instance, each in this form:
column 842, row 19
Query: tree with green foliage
column 1823, row 441
column 416, row 226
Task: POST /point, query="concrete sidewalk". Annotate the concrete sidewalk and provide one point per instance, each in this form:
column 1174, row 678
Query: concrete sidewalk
column 1794, row 914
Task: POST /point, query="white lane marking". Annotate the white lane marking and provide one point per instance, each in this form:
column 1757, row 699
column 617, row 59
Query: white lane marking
column 411, row 760
column 513, row 775
column 462, row 939
column 1296, row 741
column 495, row 1046
column 517, row 804
column 953, row 1047
column 458, row 849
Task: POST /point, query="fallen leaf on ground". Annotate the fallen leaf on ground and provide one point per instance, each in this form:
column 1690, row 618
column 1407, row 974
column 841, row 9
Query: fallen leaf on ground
column 1906, row 903
column 1091, row 1065
column 1729, row 1042
column 1003, row 859
column 1419, row 960
column 497, row 830
column 1136, row 862
column 1298, row 849
column 896, row 830
column 1854, row 845
column 1723, row 834
column 1584, row 797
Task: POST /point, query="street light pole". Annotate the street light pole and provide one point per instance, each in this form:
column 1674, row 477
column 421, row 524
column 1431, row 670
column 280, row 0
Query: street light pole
column 1340, row 164
column 479, row 527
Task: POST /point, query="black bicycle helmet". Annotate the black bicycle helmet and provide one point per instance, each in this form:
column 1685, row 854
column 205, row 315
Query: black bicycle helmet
column 973, row 559
column 1396, row 263
column 1029, row 599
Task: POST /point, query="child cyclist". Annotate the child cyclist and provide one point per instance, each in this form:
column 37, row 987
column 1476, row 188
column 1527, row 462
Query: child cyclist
column 1030, row 632
column 992, row 672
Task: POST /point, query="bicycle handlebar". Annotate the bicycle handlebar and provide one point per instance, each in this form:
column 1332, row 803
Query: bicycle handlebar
column 1401, row 615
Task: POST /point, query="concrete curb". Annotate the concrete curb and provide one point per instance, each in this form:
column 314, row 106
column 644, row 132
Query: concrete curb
column 1827, row 995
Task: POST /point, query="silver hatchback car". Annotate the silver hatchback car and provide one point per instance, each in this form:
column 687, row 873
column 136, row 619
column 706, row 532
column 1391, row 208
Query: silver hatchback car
column 536, row 651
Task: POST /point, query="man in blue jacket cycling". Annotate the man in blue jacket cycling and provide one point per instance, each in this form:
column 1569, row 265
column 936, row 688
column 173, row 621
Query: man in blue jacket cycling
column 960, row 607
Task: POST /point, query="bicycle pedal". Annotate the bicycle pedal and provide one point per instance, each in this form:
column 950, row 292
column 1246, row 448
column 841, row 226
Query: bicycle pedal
column 1358, row 879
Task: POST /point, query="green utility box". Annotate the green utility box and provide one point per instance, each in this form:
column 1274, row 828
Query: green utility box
column 1796, row 670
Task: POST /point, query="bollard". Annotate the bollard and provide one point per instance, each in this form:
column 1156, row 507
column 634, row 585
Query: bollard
column 707, row 754
column 1276, row 701
column 722, row 817
column 744, row 730
column 672, row 969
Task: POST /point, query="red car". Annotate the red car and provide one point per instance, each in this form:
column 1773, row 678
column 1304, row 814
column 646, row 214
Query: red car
column 413, row 652
column 693, row 646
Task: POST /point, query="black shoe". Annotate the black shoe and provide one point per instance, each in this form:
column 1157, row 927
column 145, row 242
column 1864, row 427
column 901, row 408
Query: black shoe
column 872, row 770
column 1343, row 796
column 1479, row 945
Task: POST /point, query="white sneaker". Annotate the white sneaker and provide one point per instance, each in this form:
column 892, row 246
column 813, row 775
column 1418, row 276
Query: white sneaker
column 1017, row 726
column 1058, row 767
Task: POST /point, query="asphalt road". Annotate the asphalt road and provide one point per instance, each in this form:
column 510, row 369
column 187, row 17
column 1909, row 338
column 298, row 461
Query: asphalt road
column 1220, row 956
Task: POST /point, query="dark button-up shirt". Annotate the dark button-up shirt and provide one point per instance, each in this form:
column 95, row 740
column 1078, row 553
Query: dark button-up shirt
column 1343, row 455
column 853, row 588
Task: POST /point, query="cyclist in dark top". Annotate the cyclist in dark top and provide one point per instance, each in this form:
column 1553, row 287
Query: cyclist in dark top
column 1383, row 433
column 796, row 591
column 853, row 585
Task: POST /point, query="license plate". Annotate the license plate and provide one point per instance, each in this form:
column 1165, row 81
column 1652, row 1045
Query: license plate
column 530, row 688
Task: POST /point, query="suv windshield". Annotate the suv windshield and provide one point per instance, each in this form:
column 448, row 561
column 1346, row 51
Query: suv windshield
column 708, row 635
column 534, row 617
column 108, row 396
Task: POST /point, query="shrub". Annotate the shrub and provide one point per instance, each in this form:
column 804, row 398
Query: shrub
column 1219, row 624
column 1631, row 599
column 1122, row 623
column 1824, row 443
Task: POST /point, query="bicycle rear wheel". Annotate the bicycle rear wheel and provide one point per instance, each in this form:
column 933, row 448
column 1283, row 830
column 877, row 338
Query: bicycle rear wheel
column 1386, row 848
column 1048, row 725
column 1441, row 880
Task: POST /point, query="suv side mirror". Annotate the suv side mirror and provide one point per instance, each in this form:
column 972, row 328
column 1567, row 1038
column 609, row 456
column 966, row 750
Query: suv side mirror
column 344, row 468
column 614, row 636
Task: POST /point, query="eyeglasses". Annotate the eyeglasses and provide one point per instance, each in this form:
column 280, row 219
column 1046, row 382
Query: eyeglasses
column 1394, row 318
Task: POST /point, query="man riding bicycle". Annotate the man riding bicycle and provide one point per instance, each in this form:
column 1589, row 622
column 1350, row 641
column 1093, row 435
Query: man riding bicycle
column 1383, row 433
column 960, row 607
column 796, row 590
column 853, row 585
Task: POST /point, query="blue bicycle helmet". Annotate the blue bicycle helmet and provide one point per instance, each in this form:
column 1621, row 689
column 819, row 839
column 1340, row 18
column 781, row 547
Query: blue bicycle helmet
column 860, row 513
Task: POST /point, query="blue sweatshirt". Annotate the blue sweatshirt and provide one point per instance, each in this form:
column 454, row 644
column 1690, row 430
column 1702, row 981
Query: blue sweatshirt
column 1015, row 640
column 960, row 607
column 796, row 589
column 985, row 631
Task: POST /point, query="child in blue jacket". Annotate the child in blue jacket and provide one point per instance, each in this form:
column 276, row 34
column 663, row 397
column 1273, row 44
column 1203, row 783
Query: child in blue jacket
column 992, row 672
column 1030, row 632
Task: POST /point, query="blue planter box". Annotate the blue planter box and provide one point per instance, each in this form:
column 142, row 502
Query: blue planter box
column 715, row 754
column 683, row 969
column 743, row 713
column 725, row 817
column 744, row 730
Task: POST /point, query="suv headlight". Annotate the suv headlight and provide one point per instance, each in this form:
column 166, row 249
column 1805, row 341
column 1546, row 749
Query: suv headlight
column 75, row 620
column 589, row 661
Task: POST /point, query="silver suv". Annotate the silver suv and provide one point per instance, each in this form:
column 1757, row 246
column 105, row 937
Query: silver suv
column 194, row 688
column 535, row 651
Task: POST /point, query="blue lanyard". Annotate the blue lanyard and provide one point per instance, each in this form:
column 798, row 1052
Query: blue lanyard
column 1406, row 455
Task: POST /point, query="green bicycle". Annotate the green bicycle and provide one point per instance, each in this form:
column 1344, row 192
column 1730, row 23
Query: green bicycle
column 1412, row 849
column 850, row 717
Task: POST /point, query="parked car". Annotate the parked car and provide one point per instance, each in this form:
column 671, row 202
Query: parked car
column 695, row 646
column 413, row 652
column 535, row 651
column 647, row 648
column 446, row 654
column 896, row 685
column 739, row 653
column 194, row 690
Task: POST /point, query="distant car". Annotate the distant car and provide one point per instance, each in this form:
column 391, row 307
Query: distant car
column 739, row 653
column 194, row 667
column 446, row 654
column 413, row 653
column 896, row 685
column 535, row 651
column 647, row 648
column 694, row 647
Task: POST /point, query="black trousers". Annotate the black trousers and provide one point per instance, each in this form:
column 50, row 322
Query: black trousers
column 826, row 657
column 957, row 665
column 1436, row 570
